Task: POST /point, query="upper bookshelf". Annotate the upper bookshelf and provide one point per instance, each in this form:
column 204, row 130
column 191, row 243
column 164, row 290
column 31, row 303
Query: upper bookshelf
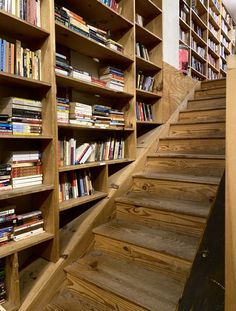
column 207, row 32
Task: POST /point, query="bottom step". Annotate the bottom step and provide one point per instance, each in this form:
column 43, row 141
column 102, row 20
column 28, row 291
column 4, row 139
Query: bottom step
column 123, row 284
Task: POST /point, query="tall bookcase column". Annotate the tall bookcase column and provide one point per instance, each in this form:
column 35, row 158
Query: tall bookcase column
column 149, row 49
column 98, row 43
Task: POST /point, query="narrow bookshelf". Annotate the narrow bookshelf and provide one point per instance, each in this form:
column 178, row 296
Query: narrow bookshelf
column 207, row 32
column 28, row 185
column 148, row 27
column 95, row 100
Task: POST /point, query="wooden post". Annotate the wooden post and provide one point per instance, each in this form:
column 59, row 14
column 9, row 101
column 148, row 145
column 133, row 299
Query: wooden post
column 230, row 217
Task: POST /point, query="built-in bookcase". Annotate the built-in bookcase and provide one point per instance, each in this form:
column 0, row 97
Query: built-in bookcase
column 207, row 29
column 115, row 145
column 148, row 29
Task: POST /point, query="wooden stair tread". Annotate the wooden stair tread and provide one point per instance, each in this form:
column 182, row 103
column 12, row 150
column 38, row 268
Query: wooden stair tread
column 151, row 237
column 197, row 122
column 201, row 99
column 152, row 201
column 201, row 109
column 179, row 177
column 151, row 290
column 187, row 156
column 190, row 138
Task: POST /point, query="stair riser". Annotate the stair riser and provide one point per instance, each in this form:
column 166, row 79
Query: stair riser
column 107, row 300
column 206, row 130
column 209, row 115
column 207, row 103
column 197, row 146
column 177, row 267
column 210, row 93
column 175, row 189
column 197, row 167
column 213, row 84
column 175, row 222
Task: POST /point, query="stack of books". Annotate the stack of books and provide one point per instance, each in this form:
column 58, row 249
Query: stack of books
column 139, row 19
column 3, row 290
column 115, row 45
column 5, row 124
column 7, row 222
column 26, row 168
column 142, row 51
column 62, row 65
column 113, row 5
column 75, row 184
column 80, row 114
column 15, row 59
column 101, row 115
column 117, row 118
column 145, row 83
column 5, row 177
column 78, row 24
column 144, row 112
column 28, row 224
column 113, row 77
column 81, row 75
column 63, row 107
column 26, row 115
column 27, row 10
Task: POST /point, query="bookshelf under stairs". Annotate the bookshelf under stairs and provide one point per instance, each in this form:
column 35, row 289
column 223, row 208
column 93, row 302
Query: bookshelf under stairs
column 141, row 259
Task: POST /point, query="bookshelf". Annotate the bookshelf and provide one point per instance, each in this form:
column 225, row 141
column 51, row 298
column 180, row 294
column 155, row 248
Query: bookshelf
column 148, row 30
column 81, row 51
column 207, row 30
column 42, row 197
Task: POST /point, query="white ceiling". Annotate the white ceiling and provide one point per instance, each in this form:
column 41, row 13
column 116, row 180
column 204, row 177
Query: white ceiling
column 231, row 6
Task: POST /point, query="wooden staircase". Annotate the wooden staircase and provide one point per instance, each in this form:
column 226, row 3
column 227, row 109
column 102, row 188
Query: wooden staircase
column 142, row 258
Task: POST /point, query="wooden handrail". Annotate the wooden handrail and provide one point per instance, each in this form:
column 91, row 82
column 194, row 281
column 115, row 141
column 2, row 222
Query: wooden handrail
column 230, row 217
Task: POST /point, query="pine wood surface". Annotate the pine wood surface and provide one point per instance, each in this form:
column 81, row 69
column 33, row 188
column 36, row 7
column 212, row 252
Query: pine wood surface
column 206, row 93
column 210, row 103
column 203, row 115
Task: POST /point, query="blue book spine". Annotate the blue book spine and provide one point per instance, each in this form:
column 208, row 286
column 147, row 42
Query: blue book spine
column 4, row 55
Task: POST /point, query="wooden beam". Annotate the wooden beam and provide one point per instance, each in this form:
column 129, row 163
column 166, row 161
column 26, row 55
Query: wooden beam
column 230, row 217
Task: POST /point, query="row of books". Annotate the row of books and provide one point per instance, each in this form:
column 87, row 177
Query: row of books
column 20, row 116
column 113, row 5
column 224, row 41
column 18, row 227
column 212, row 75
column 184, row 36
column 22, row 169
column 24, row 9
column 214, row 15
column 83, row 114
column 142, row 51
column 212, row 60
column 223, row 65
column 15, row 59
column 197, row 29
column 184, row 11
column 226, row 15
column 109, row 76
column 3, row 290
column 197, row 65
column 75, row 184
column 71, row 152
column 197, row 48
column 224, row 27
column 78, row 24
column 212, row 29
column 144, row 112
column 214, row 46
column 144, row 82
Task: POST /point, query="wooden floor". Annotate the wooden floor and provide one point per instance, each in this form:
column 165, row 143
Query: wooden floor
column 142, row 258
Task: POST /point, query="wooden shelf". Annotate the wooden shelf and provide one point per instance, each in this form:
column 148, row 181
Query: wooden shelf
column 213, row 22
column 146, row 37
column 11, row 80
column 65, row 205
column 152, row 123
column 202, row 9
column 198, row 20
column 83, row 86
column 226, row 23
column 214, row 7
column 44, row 137
column 17, row 246
column 184, row 43
column 92, row 164
column 213, row 37
column 96, row 128
column 198, row 39
column 146, row 65
column 10, row 306
column 197, row 73
column 8, row 194
column 222, row 71
column 147, row 8
column 224, row 60
column 146, row 94
column 213, row 67
column 107, row 18
column 184, row 25
column 213, row 53
column 198, row 56
column 84, row 45
column 20, row 29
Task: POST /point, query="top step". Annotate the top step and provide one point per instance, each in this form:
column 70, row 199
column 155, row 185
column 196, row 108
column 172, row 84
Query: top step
column 213, row 83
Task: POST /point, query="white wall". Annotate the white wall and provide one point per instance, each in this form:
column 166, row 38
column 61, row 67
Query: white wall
column 170, row 15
